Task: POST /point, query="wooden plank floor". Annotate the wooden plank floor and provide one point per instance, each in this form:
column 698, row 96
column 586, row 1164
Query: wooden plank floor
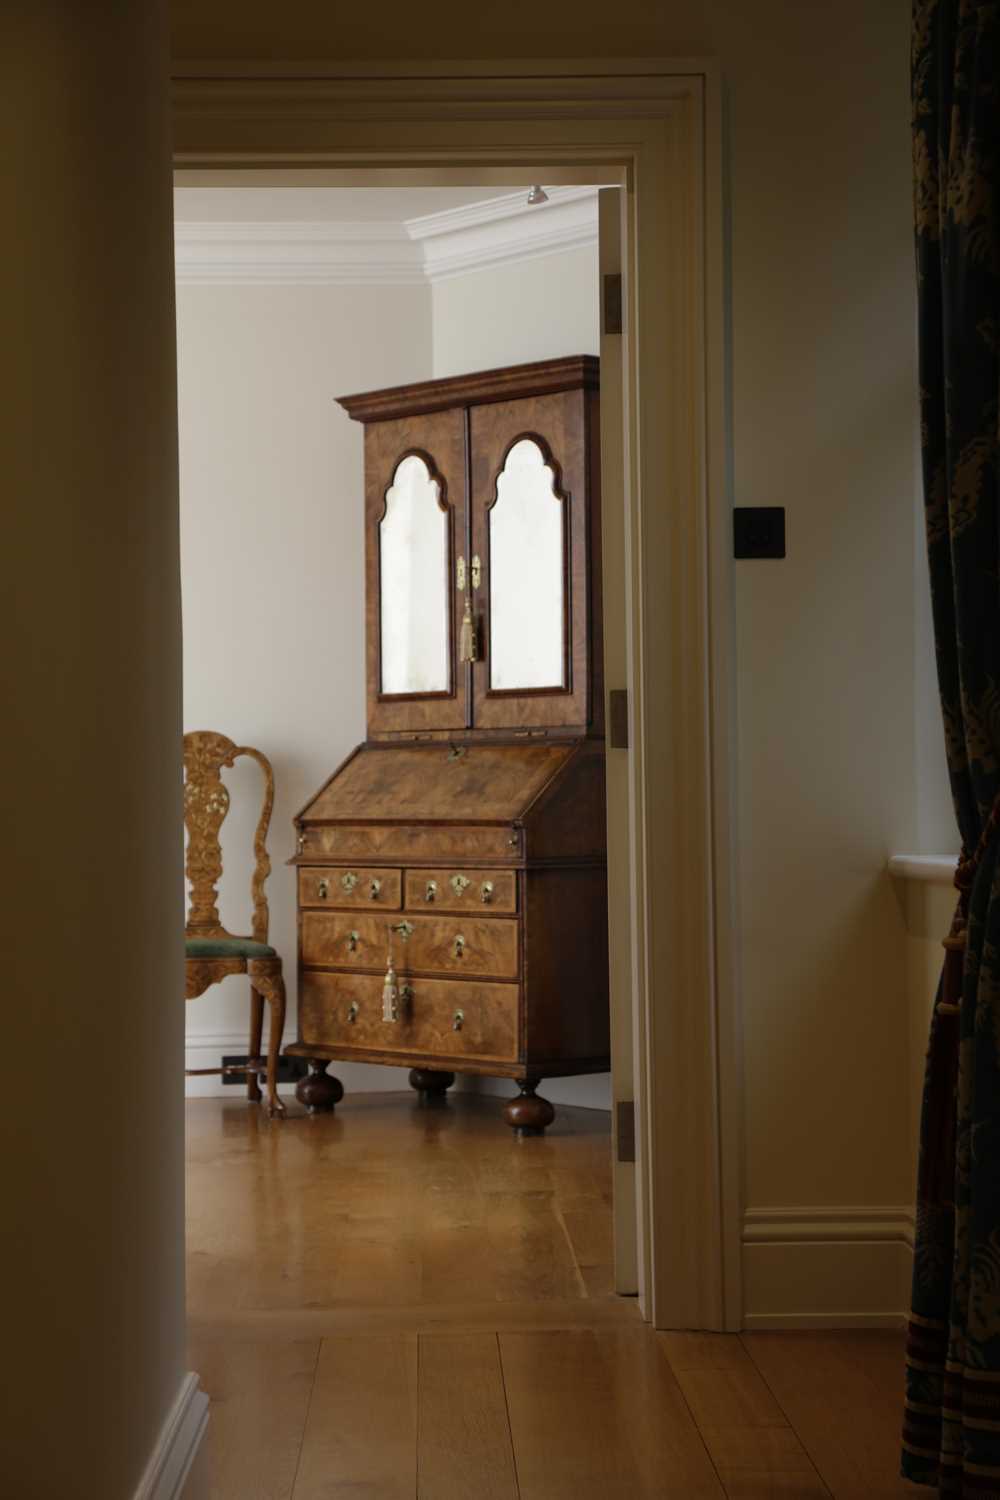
column 407, row 1304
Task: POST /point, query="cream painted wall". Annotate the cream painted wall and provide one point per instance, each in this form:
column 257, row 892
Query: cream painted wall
column 92, row 1250
column 272, row 486
column 507, row 315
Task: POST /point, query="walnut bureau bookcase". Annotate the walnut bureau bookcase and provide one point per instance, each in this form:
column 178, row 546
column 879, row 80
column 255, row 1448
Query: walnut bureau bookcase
column 452, row 874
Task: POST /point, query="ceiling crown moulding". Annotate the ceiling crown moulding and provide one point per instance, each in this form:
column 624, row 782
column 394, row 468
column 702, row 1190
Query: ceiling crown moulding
column 415, row 252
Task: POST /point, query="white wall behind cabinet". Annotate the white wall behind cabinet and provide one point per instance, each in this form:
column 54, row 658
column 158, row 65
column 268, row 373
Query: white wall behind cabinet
column 272, row 502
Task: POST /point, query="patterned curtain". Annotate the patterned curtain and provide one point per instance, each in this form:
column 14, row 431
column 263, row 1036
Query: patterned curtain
column 951, row 1435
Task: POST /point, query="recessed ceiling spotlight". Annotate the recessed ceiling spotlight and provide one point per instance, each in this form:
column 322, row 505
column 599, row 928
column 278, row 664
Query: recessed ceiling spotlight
column 538, row 195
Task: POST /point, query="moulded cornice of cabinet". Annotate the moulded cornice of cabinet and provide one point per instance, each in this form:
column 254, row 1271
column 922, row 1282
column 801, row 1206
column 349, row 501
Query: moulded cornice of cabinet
column 412, row 252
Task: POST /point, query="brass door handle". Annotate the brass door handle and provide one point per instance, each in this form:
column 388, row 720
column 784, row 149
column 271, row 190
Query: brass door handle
column 459, row 1020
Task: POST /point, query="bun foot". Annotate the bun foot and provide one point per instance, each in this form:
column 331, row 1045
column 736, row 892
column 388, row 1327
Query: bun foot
column 528, row 1114
column 430, row 1085
column 319, row 1092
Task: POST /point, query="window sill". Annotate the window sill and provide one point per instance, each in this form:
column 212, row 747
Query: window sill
column 938, row 869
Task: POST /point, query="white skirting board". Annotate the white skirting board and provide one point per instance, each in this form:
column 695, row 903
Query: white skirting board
column 173, row 1460
column 840, row 1267
column 207, row 1049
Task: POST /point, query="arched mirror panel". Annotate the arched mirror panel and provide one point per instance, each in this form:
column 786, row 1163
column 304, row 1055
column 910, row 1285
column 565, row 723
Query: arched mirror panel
column 413, row 576
column 527, row 566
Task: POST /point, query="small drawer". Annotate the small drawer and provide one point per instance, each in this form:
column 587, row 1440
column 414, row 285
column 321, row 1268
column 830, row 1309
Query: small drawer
column 483, row 946
column 461, row 890
column 357, row 886
column 436, row 1017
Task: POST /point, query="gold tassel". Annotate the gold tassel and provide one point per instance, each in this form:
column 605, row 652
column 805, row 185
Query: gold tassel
column 467, row 638
column 390, row 989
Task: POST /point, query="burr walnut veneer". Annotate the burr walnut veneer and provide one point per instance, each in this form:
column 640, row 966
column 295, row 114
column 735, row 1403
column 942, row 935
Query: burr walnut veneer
column 467, row 835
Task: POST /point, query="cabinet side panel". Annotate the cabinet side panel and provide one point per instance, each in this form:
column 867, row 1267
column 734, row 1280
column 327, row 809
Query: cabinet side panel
column 569, row 818
column 566, row 964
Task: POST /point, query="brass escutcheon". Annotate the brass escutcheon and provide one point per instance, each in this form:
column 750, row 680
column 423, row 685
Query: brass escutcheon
column 323, row 889
column 458, row 1021
column 374, row 886
column 404, row 929
column 459, row 883
column 353, row 939
column 486, row 892
column 459, row 947
column 348, row 880
column 431, row 892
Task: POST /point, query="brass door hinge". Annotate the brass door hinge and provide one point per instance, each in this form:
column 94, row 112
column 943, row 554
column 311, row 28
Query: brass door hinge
column 613, row 302
column 618, row 718
column 625, row 1119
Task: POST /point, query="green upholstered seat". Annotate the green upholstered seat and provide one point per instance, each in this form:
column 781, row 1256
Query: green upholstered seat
column 236, row 947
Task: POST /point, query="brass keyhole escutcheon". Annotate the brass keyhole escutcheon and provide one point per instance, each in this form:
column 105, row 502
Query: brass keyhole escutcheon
column 349, row 880
column 352, row 1012
column 459, row 1020
column 353, row 939
column 459, row 883
column 405, row 929
column 486, row 892
column 431, row 892
column 323, row 889
column 459, row 947
column 374, row 886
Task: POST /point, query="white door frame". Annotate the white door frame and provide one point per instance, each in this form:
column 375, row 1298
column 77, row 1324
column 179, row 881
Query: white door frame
column 655, row 128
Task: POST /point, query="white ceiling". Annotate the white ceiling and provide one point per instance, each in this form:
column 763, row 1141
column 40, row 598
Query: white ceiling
column 261, row 205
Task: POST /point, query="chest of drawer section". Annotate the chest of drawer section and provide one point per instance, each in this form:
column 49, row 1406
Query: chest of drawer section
column 463, row 944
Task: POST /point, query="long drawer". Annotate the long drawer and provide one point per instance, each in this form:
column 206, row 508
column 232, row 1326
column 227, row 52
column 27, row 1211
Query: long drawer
column 460, row 890
column 321, row 885
column 426, row 843
column 437, row 1017
column 460, row 945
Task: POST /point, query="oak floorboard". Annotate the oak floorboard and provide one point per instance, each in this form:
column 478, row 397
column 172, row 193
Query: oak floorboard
column 259, row 1398
column 599, row 1417
column 843, row 1395
column 361, row 1432
column 751, row 1484
column 464, row 1443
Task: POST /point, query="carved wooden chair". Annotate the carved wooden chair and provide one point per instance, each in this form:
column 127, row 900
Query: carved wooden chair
column 211, row 952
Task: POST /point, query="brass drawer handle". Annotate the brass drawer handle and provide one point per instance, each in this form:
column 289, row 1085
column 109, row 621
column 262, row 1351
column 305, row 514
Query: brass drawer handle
column 486, row 892
column 459, row 884
column 323, row 889
column 431, row 891
column 459, row 947
column 459, row 1020
column 352, row 1012
column 374, row 886
column 353, row 939
column 349, row 880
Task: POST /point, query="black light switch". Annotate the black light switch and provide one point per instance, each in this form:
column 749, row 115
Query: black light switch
column 759, row 531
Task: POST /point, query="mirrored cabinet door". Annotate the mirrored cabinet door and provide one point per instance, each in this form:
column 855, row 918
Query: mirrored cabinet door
column 416, row 518
column 539, row 621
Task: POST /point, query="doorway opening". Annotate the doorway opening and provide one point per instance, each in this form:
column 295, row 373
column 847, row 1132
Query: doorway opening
column 289, row 296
